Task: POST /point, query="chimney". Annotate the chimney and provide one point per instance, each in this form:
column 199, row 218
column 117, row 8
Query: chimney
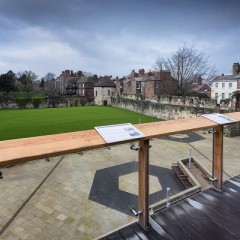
column 143, row 71
column 236, row 68
column 165, row 75
column 150, row 73
column 132, row 73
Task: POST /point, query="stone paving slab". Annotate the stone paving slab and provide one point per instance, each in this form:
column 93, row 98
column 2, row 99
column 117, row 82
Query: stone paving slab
column 18, row 183
column 60, row 209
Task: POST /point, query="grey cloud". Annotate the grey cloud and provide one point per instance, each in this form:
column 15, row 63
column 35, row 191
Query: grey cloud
column 112, row 37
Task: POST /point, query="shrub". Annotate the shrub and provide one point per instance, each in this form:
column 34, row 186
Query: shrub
column 36, row 101
column 22, row 99
column 75, row 103
column 1, row 97
column 83, row 101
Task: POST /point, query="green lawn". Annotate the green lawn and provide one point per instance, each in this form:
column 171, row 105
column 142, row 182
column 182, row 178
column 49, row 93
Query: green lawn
column 35, row 122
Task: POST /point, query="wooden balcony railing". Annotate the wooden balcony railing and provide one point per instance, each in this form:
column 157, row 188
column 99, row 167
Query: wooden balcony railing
column 20, row 150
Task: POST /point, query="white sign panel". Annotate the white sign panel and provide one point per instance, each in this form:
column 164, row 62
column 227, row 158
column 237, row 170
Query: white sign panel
column 119, row 132
column 219, row 118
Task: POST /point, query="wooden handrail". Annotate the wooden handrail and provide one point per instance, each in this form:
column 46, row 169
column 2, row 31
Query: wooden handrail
column 20, row 150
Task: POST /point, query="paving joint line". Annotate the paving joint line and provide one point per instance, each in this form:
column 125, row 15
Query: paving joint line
column 29, row 198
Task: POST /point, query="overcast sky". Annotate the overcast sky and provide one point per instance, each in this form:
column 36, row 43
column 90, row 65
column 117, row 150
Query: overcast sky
column 112, row 37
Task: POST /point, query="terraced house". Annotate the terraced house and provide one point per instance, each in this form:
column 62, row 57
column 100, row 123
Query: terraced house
column 146, row 85
column 222, row 87
column 77, row 84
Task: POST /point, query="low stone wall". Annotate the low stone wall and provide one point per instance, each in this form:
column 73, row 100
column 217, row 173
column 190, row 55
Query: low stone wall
column 160, row 110
column 232, row 130
column 170, row 112
column 173, row 100
column 186, row 101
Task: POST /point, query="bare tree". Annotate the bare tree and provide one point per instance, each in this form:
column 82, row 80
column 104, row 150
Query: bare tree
column 50, row 84
column 160, row 64
column 49, row 76
column 26, row 81
column 186, row 66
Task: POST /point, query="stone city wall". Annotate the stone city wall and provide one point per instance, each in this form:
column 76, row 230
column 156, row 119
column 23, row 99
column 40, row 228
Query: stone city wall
column 160, row 110
column 169, row 112
column 232, row 130
column 173, row 100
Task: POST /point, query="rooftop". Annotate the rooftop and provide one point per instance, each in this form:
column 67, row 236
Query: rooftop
column 225, row 78
column 105, row 82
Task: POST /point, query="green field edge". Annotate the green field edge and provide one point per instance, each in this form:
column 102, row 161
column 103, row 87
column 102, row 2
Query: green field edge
column 25, row 123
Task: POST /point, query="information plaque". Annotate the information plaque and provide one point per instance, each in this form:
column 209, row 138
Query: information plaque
column 119, row 132
column 219, row 118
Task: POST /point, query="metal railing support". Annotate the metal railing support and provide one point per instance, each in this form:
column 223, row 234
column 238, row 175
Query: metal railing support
column 143, row 183
column 218, row 157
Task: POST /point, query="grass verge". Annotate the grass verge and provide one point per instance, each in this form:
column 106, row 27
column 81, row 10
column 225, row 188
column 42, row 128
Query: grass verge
column 37, row 122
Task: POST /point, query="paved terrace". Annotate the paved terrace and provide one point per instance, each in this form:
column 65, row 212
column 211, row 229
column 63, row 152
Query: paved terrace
column 55, row 199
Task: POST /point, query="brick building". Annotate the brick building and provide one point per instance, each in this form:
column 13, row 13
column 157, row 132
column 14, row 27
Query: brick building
column 199, row 87
column 61, row 81
column 76, row 84
column 147, row 84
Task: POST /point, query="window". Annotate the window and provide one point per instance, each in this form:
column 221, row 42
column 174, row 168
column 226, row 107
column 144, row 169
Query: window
column 138, row 85
column 96, row 93
column 216, row 85
column 216, row 95
column 108, row 92
column 81, row 93
column 223, row 85
column 223, row 95
column 230, row 85
column 229, row 95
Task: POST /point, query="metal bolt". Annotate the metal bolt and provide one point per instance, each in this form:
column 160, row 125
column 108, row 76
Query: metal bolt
column 133, row 147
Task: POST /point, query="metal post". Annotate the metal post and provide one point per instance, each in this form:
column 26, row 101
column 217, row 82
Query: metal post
column 168, row 197
column 143, row 159
column 190, row 158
